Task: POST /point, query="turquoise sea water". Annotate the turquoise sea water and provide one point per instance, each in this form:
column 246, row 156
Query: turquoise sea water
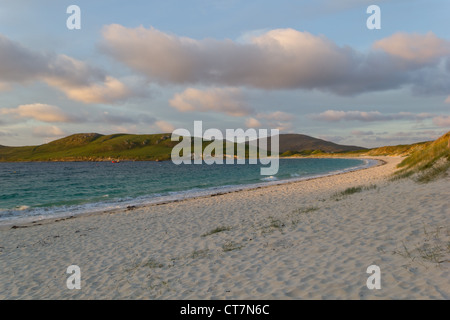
column 38, row 190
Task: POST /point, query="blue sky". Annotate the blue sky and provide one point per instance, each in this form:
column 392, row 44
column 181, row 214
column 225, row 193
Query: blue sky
column 309, row 67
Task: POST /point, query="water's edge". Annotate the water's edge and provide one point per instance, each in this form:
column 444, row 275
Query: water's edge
column 181, row 196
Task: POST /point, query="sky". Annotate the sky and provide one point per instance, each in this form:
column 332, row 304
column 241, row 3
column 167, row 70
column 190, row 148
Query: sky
column 309, row 67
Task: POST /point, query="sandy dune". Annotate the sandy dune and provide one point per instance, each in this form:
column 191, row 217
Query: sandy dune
column 291, row 241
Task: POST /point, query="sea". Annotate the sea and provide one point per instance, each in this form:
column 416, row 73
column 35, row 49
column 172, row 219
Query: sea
column 32, row 191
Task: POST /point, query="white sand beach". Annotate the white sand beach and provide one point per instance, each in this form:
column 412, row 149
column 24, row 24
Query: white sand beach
column 290, row 241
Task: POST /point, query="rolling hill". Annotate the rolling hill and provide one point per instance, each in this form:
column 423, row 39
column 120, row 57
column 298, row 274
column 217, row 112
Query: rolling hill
column 152, row 147
column 300, row 144
column 98, row 147
column 95, row 147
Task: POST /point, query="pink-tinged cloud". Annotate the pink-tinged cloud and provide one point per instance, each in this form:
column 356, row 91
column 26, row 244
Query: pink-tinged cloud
column 442, row 121
column 275, row 120
column 164, row 126
column 447, row 100
column 367, row 116
column 252, row 123
column 40, row 112
column 361, row 133
column 78, row 80
column 277, row 59
column 417, row 48
column 49, row 132
column 335, row 116
column 224, row 100
column 276, row 115
column 109, row 91
column 4, row 86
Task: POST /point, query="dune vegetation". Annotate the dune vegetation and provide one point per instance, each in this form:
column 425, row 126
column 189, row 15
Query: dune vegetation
column 428, row 162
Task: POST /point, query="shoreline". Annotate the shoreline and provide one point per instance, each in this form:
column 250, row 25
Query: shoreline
column 209, row 193
column 301, row 240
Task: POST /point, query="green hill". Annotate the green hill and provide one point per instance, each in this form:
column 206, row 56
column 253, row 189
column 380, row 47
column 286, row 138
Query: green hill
column 300, row 144
column 98, row 147
column 95, row 147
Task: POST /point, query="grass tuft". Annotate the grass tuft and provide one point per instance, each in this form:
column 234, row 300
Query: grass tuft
column 353, row 190
column 305, row 210
column 217, row 230
column 230, row 246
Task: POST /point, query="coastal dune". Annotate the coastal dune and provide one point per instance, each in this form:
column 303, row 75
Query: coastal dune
column 310, row 239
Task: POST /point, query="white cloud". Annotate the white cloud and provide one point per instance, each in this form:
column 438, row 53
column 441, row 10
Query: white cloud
column 274, row 120
column 40, row 112
column 362, row 133
column 417, row 48
column 49, row 132
column 276, row 59
column 252, row 123
column 108, row 92
column 76, row 79
column 165, row 126
column 442, row 121
column 276, row 116
column 4, row 86
column 224, row 100
column 367, row 116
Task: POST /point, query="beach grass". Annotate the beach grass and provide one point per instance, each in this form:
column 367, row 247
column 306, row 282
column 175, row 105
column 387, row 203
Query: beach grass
column 432, row 247
column 153, row 264
column 231, row 246
column 217, row 230
column 428, row 163
column 305, row 210
column 353, row 190
column 197, row 254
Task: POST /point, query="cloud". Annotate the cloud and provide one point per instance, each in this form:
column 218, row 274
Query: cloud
column 396, row 138
column 276, row 115
column 164, row 126
column 370, row 116
column 447, row 100
column 49, row 132
column 224, row 100
column 442, row 121
column 4, row 86
column 362, row 133
column 40, row 112
column 417, row 48
column 335, row 116
column 252, row 123
column 229, row 101
column 7, row 134
column 120, row 118
column 109, row 91
column 76, row 79
column 276, row 59
column 275, row 120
